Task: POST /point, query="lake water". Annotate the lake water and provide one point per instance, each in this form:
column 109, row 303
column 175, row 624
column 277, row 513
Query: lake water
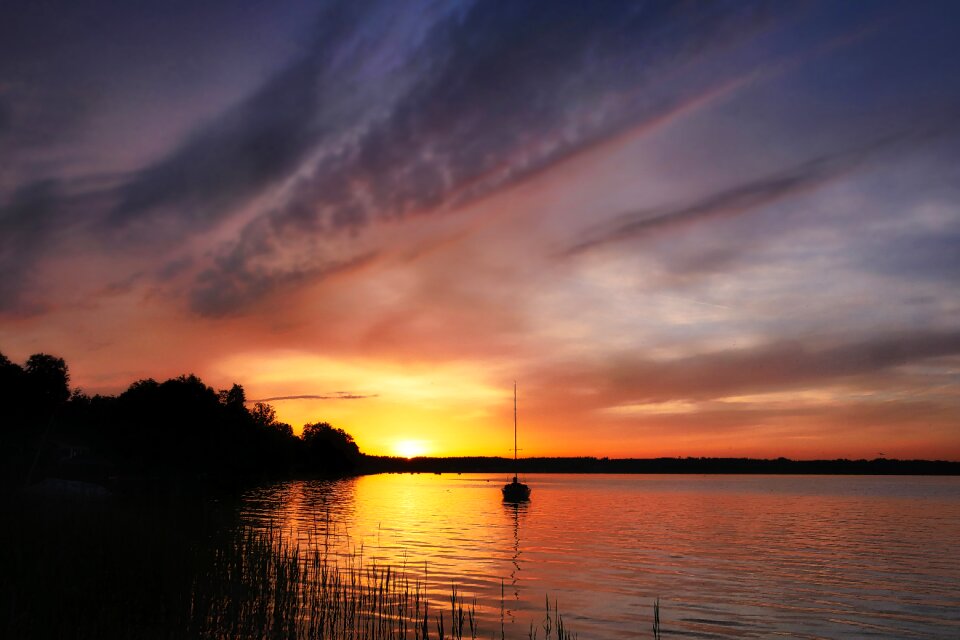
column 728, row 556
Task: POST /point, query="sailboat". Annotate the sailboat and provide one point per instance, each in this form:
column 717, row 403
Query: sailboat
column 515, row 491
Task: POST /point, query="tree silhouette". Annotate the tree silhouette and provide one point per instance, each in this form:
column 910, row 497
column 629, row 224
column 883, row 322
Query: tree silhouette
column 234, row 397
column 330, row 451
column 12, row 386
column 48, row 379
column 14, row 428
column 265, row 416
column 180, row 429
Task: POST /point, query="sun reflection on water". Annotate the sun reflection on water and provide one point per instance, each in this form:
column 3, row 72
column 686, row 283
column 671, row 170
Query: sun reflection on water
column 727, row 556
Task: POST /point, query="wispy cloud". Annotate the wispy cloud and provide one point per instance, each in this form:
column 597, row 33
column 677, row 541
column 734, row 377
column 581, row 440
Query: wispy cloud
column 395, row 111
column 25, row 225
column 485, row 97
column 232, row 283
column 339, row 395
column 258, row 142
column 737, row 200
column 773, row 366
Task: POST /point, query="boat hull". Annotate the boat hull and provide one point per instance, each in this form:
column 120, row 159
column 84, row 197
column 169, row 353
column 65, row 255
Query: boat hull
column 515, row 492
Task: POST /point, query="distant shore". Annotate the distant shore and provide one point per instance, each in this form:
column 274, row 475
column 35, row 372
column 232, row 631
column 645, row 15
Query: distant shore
column 783, row 466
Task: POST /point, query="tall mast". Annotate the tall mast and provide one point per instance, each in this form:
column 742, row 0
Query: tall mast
column 514, row 424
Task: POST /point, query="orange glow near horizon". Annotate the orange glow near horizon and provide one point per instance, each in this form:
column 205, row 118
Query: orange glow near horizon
column 426, row 409
column 409, row 410
column 410, row 448
column 466, row 409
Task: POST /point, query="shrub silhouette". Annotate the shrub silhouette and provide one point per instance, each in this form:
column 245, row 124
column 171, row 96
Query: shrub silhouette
column 177, row 428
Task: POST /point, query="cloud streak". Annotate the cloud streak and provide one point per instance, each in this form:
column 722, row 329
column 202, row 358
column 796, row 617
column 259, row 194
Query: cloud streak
column 485, row 97
column 339, row 395
column 734, row 201
column 220, row 167
column 779, row 365
column 26, row 223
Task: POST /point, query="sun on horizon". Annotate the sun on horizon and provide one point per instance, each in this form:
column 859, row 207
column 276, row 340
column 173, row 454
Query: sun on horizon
column 410, row 448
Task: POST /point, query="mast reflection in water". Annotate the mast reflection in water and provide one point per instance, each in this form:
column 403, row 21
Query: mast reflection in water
column 514, row 511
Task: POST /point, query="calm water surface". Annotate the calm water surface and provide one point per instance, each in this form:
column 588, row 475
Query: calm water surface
column 728, row 556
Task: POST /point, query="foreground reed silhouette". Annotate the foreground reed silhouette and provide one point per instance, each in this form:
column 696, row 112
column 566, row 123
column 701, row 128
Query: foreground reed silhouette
column 108, row 571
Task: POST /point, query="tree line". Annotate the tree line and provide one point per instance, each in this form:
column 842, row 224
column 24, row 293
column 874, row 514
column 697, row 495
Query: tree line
column 177, row 429
column 688, row 465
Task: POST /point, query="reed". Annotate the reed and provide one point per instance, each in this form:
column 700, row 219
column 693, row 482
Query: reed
column 92, row 573
column 656, row 619
column 552, row 625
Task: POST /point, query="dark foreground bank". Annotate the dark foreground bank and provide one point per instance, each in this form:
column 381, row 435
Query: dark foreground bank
column 115, row 568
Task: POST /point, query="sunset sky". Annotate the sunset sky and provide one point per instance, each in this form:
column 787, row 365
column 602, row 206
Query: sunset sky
column 717, row 228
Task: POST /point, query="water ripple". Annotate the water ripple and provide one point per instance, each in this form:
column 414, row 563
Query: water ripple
column 728, row 556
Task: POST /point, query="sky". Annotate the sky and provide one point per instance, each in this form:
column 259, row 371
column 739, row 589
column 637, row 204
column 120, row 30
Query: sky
column 683, row 229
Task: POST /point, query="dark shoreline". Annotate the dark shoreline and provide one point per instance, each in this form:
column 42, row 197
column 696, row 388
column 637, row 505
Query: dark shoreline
column 200, row 486
column 778, row 466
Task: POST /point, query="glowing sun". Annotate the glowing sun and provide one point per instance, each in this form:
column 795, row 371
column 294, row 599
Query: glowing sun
column 409, row 448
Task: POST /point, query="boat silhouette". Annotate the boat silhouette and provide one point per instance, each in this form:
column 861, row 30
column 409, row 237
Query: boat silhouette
column 515, row 491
